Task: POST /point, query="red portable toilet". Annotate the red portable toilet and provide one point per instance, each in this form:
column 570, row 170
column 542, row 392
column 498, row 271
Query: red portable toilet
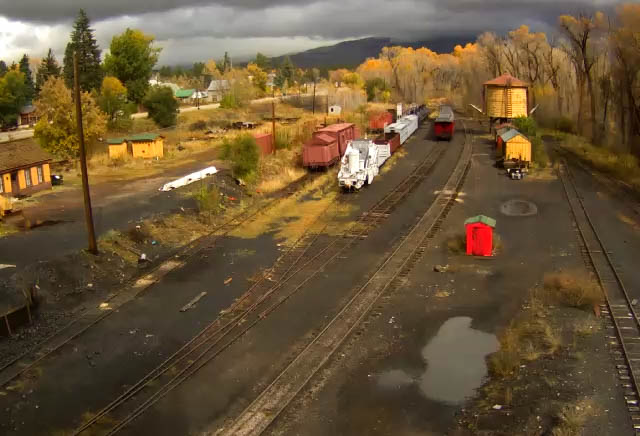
column 480, row 235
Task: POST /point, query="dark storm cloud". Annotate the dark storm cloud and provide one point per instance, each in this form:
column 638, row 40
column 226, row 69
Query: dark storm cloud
column 48, row 11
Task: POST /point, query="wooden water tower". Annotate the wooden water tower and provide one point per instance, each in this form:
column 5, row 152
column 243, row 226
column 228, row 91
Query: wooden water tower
column 506, row 98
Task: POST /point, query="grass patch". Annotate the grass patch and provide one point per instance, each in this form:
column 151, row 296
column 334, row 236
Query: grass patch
column 573, row 417
column 178, row 229
column 617, row 163
column 120, row 245
column 573, row 289
column 393, row 160
column 279, row 170
column 528, row 338
column 457, row 244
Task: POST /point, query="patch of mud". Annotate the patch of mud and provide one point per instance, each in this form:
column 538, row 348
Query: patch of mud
column 518, row 208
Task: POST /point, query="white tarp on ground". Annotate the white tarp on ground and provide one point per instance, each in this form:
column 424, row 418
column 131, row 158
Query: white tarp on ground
column 190, row 178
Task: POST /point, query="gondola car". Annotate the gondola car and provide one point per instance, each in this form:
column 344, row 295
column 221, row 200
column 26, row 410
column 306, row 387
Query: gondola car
column 445, row 124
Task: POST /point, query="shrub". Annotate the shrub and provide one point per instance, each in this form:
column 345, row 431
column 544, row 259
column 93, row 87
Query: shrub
column 539, row 153
column 565, row 124
column 573, row 290
column 283, row 139
column 207, row 198
column 162, row 106
column 526, row 126
column 229, row 102
column 244, row 154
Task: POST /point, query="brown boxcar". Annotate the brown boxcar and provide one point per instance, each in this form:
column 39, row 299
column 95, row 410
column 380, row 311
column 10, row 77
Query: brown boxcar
column 378, row 121
column 321, row 151
column 265, row 142
column 393, row 139
column 343, row 133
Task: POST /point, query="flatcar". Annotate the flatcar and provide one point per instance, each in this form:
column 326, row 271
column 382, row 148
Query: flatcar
column 445, row 124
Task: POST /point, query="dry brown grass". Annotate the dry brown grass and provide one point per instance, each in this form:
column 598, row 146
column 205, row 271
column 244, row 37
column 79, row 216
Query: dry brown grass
column 457, row 244
column 179, row 229
column 120, row 245
column 279, row 170
column 573, row 289
column 526, row 339
column 573, row 417
column 393, row 160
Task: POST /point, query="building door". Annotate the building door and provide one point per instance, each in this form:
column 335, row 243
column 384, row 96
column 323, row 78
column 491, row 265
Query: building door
column 14, row 183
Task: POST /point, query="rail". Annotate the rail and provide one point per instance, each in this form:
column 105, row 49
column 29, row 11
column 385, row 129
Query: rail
column 619, row 306
column 306, row 258
column 262, row 412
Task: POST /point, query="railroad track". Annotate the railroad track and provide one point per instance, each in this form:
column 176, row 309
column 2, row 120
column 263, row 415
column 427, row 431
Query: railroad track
column 87, row 319
column 619, row 308
column 271, row 402
column 300, row 264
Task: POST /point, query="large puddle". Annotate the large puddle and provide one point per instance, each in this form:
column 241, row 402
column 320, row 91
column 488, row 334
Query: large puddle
column 455, row 363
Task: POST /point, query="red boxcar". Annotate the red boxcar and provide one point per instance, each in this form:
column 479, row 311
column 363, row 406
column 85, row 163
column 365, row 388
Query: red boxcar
column 321, row 151
column 343, row 133
column 265, row 142
column 393, row 139
column 379, row 121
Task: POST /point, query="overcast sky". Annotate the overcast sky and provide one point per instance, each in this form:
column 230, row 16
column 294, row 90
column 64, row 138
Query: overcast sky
column 192, row 30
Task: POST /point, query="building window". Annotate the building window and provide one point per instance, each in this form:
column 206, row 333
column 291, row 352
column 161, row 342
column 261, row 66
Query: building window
column 40, row 175
column 27, row 177
column 1, row 184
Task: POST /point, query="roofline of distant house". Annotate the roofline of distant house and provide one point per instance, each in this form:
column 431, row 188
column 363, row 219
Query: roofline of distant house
column 11, row 169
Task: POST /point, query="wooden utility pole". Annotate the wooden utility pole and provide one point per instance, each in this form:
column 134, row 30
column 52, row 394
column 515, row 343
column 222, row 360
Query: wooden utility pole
column 88, row 214
column 314, row 96
column 273, row 118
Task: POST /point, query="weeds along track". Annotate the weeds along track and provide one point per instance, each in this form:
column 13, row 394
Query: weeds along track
column 85, row 320
column 622, row 318
column 294, row 269
column 259, row 415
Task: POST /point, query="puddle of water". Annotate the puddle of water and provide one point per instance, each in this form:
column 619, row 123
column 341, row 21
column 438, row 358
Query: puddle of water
column 455, row 363
column 455, row 360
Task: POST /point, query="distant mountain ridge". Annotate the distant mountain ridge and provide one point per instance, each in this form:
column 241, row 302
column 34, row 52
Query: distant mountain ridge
column 353, row 53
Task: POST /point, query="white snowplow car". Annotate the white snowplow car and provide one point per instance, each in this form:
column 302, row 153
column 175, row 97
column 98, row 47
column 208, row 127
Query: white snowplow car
column 359, row 164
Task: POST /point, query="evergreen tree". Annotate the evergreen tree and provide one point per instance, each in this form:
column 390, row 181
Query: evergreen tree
column 83, row 41
column 3, row 68
column 28, row 78
column 226, row 63
column 48, row 67
column 263, row 62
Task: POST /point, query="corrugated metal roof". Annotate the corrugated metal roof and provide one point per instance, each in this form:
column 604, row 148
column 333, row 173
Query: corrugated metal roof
column 509, row 135
column 184, row 93
column 27, row 109
column 19, row 154
column 481, row 219
column 506, row 80
column 114, row 141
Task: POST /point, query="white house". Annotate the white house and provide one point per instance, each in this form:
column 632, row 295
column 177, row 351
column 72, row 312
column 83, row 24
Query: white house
column 217, row 89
